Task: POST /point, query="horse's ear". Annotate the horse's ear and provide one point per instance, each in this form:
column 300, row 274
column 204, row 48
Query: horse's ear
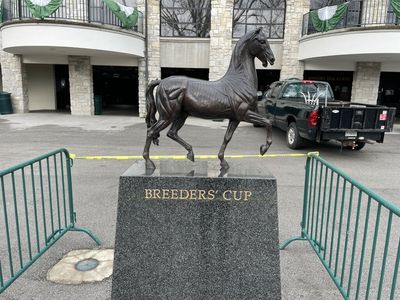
column 258, row 30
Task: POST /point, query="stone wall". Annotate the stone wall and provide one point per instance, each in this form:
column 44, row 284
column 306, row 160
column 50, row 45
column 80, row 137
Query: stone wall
column 366, row 82
column 81, row 85
column 220, row 37
column 154, row 62
column 14, row 78
column 291, row 66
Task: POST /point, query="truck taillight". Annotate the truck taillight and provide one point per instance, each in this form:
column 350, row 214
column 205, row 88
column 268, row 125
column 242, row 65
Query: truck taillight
column 383, row 116
column 313, row 119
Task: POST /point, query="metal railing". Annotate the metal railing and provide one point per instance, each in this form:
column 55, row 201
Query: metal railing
column 36, row 210
column 354, row 232
column 360, row 14
column 83, row 11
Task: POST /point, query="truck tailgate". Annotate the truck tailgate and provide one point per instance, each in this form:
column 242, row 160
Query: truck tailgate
column 357, row 117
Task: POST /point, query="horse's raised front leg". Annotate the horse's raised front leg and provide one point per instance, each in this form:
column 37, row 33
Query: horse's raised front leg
column 173, row 134
column 233, row 124
column 255, row 118
column 152, row 133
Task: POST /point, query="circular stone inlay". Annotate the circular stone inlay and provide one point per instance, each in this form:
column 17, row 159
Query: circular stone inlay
column 86, row 264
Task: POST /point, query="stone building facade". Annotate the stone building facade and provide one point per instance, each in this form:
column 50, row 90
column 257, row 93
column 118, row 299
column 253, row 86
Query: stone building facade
column 210, row 53
column 220, row 37
column 14, row 80
column 291, row 66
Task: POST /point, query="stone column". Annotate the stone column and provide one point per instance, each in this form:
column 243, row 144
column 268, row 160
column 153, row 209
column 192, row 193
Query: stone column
column 81, row 85
column 14, row 78
column 220, row 37
column 291, row 66
column 366, row 82
column 153, row 51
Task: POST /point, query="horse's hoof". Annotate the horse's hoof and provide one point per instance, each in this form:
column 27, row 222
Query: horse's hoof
column 263, row 149
column 156, row 142
column 150, row 164
column 190, row 156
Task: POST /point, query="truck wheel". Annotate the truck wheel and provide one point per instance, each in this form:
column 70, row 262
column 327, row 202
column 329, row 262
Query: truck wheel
column 359, row 145
column 293, row 139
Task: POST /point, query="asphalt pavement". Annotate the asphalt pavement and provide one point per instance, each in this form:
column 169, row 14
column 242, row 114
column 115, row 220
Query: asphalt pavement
column 95, row 185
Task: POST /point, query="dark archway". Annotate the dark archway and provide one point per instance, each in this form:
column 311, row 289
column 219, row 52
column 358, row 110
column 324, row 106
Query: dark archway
column 118, row 88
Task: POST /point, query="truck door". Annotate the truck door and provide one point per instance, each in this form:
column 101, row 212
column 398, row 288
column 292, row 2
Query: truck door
column 271, row 96
column 286, row 104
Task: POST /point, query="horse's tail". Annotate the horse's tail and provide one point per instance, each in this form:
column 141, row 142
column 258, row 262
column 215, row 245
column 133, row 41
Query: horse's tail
column 150, row 103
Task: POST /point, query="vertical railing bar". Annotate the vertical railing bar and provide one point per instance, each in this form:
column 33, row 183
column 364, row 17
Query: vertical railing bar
column 329, row 213
column 354, row 242
column 43, row 203
column 385, row 252
column 310, row 192
column 340, row 225
column 323, row 208
column 17, row 220
column 318, row 204
column 35, row 211
column 305, row 195
column 28, row 234
column 1, row 275
column 70, row 195
column 334, row 219
column 57, row 188
column 63, row 188
column 7, row 227
column 313, row 198
column 371, row 264
column 50, row 195
column 363, row 247
column 347, row 234
column 395, row 272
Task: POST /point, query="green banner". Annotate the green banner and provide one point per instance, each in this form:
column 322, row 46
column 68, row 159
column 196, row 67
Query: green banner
column 126, row 14
column 396, row 7
column 328, row 17
column 43, row 8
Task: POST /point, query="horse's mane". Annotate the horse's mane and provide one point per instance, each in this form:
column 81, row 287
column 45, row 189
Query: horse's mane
column 240, row 45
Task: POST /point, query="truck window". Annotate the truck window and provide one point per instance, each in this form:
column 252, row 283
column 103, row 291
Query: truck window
column 292, row 91
column 307, row 90
column 274, row 90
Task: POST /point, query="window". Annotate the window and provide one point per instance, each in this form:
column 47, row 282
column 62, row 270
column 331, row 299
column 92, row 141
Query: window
column 185, row 18
column 307, row 90
column 251, row 14
column 275, row 89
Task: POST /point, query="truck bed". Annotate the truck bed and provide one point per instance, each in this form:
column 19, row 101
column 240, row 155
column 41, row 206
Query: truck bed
column 342, row 116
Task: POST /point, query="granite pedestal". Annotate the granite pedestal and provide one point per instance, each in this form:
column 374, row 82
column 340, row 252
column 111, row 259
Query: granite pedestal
column 185, row 233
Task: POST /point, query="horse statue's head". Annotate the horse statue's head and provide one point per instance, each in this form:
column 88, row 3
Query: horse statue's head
column 259, row 47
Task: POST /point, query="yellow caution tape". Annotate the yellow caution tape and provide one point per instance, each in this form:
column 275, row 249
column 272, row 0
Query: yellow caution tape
column 180, row 157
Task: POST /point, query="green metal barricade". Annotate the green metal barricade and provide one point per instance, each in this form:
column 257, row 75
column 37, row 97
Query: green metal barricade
column 354, row 232
column 36, row 210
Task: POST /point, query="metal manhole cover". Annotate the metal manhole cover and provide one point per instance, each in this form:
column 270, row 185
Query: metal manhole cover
column 86, row 264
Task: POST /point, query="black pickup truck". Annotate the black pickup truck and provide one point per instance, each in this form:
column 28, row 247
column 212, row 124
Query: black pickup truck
column 306, row 109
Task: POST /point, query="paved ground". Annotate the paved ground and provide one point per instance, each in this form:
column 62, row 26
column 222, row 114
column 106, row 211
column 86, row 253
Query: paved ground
column 96, row 182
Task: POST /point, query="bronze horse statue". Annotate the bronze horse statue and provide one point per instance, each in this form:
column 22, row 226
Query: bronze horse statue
column 232, row 97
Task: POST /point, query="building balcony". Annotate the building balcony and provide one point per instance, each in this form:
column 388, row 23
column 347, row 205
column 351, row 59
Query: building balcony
column 79, row 27
column 365, row 33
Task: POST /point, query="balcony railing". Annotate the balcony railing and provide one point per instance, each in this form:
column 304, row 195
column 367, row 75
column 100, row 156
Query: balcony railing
column 82, row 11
column 359, row 14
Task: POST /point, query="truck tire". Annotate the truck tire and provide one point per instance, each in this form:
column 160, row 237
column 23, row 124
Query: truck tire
column 358, row 146
column 293, row 138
